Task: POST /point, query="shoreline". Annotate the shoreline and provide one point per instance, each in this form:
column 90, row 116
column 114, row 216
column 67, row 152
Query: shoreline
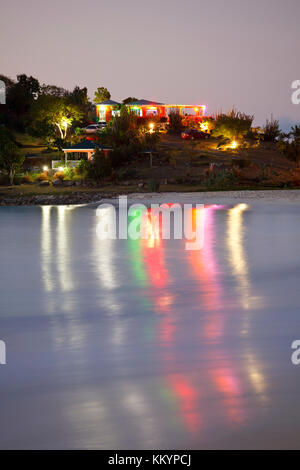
column 291, row 196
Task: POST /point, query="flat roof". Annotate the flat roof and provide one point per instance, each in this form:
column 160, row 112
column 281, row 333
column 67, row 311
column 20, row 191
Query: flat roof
column 185, row 105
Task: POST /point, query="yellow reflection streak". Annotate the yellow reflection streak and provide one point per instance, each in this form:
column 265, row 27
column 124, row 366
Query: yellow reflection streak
column 137, row 404
column 256, row 377
column 240, row 270
column 105, row 269
column 237, row 256
column 235, row 244
column 62, row 254
column 46, row 248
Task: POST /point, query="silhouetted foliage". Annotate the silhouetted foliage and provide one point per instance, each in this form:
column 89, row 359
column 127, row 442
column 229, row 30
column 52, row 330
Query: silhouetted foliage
column 271, row 130
column 101, row 94
column 10, row 157
column 175, row 122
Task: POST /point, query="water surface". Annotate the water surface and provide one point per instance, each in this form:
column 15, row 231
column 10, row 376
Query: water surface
column 142, row 344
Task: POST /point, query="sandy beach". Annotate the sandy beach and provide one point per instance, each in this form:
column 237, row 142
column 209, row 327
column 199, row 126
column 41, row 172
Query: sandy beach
column 217, row 197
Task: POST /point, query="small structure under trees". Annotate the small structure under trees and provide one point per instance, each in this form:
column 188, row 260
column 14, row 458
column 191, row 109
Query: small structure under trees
column 82, row 151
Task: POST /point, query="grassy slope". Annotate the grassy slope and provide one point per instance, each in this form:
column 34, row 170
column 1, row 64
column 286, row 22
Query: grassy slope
column 177, row 160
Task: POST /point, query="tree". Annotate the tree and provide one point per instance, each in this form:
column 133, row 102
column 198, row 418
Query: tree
column 57, row 111
column 101, row 94
column 79, row 96
column 8, row 81
column 11, row 159
column 54, row 90
column 130, row 99
column 22, row 94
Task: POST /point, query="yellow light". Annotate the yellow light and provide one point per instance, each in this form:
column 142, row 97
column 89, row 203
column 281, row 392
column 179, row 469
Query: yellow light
column 64, row 123
column 61, row 168
column 204, row 126
column 151, row 127
column 234, row 144
column 45, row 168
column 196, row 109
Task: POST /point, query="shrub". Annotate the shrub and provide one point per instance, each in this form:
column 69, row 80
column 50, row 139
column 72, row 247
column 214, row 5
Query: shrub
column 291, row 147
column 27, row 178
column 81, row 177
column 42, row 177
column 233, row 125
column 59, row 175
column 101, row 166
column 271, row 130
column 68, row 172
column 83, row 167
column 175, row 122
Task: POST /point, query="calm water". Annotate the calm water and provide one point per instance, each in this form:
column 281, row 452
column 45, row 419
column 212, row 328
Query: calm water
column 142, row 344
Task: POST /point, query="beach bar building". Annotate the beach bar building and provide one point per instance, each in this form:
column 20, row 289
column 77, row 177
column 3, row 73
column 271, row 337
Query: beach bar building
column 146, row 108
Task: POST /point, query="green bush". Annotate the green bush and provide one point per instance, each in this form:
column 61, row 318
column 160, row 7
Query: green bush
column 68, row 172
column 234, row 125
column 83, row 167
column 80, row 177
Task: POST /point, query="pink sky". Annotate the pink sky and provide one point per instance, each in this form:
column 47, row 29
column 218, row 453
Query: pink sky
column 220, row 53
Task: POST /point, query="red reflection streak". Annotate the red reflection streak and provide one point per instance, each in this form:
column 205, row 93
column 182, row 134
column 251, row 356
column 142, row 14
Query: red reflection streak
column 204, row 266
column 158, row 275
column 187, row 395
column 154, row 259
column 153, row 249
column 153, row 255
column 229, row 385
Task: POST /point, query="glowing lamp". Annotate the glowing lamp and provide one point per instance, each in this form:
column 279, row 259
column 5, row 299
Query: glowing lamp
column 45, row 168
column 204, row 127
column 234, row 144
column 61, row 168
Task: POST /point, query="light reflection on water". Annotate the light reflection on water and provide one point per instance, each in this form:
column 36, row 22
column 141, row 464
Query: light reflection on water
column 142, row 344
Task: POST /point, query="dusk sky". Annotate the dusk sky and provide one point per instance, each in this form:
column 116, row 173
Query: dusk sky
column 219, row 53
